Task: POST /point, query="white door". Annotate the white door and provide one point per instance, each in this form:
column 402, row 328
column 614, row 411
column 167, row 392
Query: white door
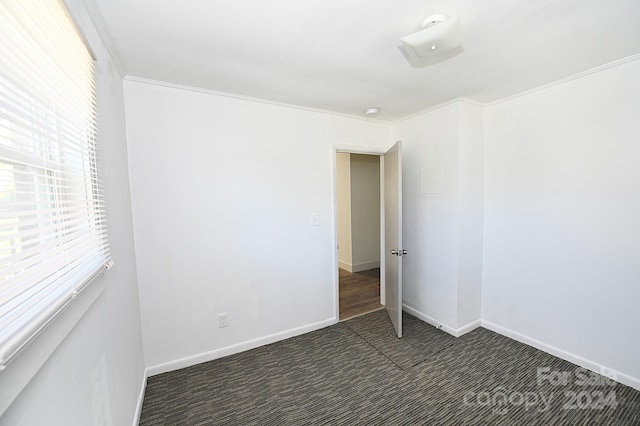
column 393, row 234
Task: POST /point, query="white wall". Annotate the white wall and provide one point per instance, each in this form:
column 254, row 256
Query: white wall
column 562, row 209
column 365, row 211
column 95, row 375
column 430, row 140
column 442, row 225
column 470, row 212
column 223, row 190
column 343, row 207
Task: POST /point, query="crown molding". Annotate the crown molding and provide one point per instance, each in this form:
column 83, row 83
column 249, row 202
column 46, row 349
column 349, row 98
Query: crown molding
column 196, row 89
column 567, row 79
column 465, row 100
column 457, row 100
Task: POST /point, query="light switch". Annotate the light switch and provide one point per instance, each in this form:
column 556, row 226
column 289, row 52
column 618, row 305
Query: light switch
column 315, row 220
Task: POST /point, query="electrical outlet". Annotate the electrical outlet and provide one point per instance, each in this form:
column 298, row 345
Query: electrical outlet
column 223, row 320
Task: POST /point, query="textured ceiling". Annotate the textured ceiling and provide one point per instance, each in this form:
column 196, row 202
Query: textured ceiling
column 342, row 56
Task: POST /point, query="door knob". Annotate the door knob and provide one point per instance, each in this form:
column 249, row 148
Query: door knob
column 404, row 252
column 394, row 252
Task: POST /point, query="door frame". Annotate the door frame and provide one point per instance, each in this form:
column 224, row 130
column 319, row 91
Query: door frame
column 351, row 149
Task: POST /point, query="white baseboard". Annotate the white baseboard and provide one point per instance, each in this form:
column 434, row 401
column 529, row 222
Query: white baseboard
column 625, row 379
column 365, row 266
column 358, row 267
column 344, row 265
column 468, row 327
column 136, row 415
column 239, row 347
column 456, row 332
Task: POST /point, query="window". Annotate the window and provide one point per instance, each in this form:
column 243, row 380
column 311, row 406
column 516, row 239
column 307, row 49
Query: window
column 53, row 240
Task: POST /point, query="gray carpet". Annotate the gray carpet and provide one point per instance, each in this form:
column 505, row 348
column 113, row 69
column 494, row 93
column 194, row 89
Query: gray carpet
column 419, row 340
column 335, row 377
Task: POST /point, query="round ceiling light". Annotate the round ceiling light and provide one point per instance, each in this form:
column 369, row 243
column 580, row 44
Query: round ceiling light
column 372, row 111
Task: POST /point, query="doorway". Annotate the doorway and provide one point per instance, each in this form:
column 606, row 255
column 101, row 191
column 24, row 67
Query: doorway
column 358, row 199
column 390, row 222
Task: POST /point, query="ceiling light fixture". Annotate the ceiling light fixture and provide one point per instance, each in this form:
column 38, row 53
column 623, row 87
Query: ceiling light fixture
column 440, row 39
column 372, row 111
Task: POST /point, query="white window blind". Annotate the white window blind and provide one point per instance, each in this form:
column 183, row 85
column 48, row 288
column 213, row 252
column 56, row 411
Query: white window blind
column 53, row 238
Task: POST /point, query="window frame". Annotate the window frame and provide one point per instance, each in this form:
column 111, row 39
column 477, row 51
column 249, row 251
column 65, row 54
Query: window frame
column 25, row 365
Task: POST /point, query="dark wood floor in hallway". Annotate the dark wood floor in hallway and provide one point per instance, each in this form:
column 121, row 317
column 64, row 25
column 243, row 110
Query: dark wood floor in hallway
column 359, row 292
